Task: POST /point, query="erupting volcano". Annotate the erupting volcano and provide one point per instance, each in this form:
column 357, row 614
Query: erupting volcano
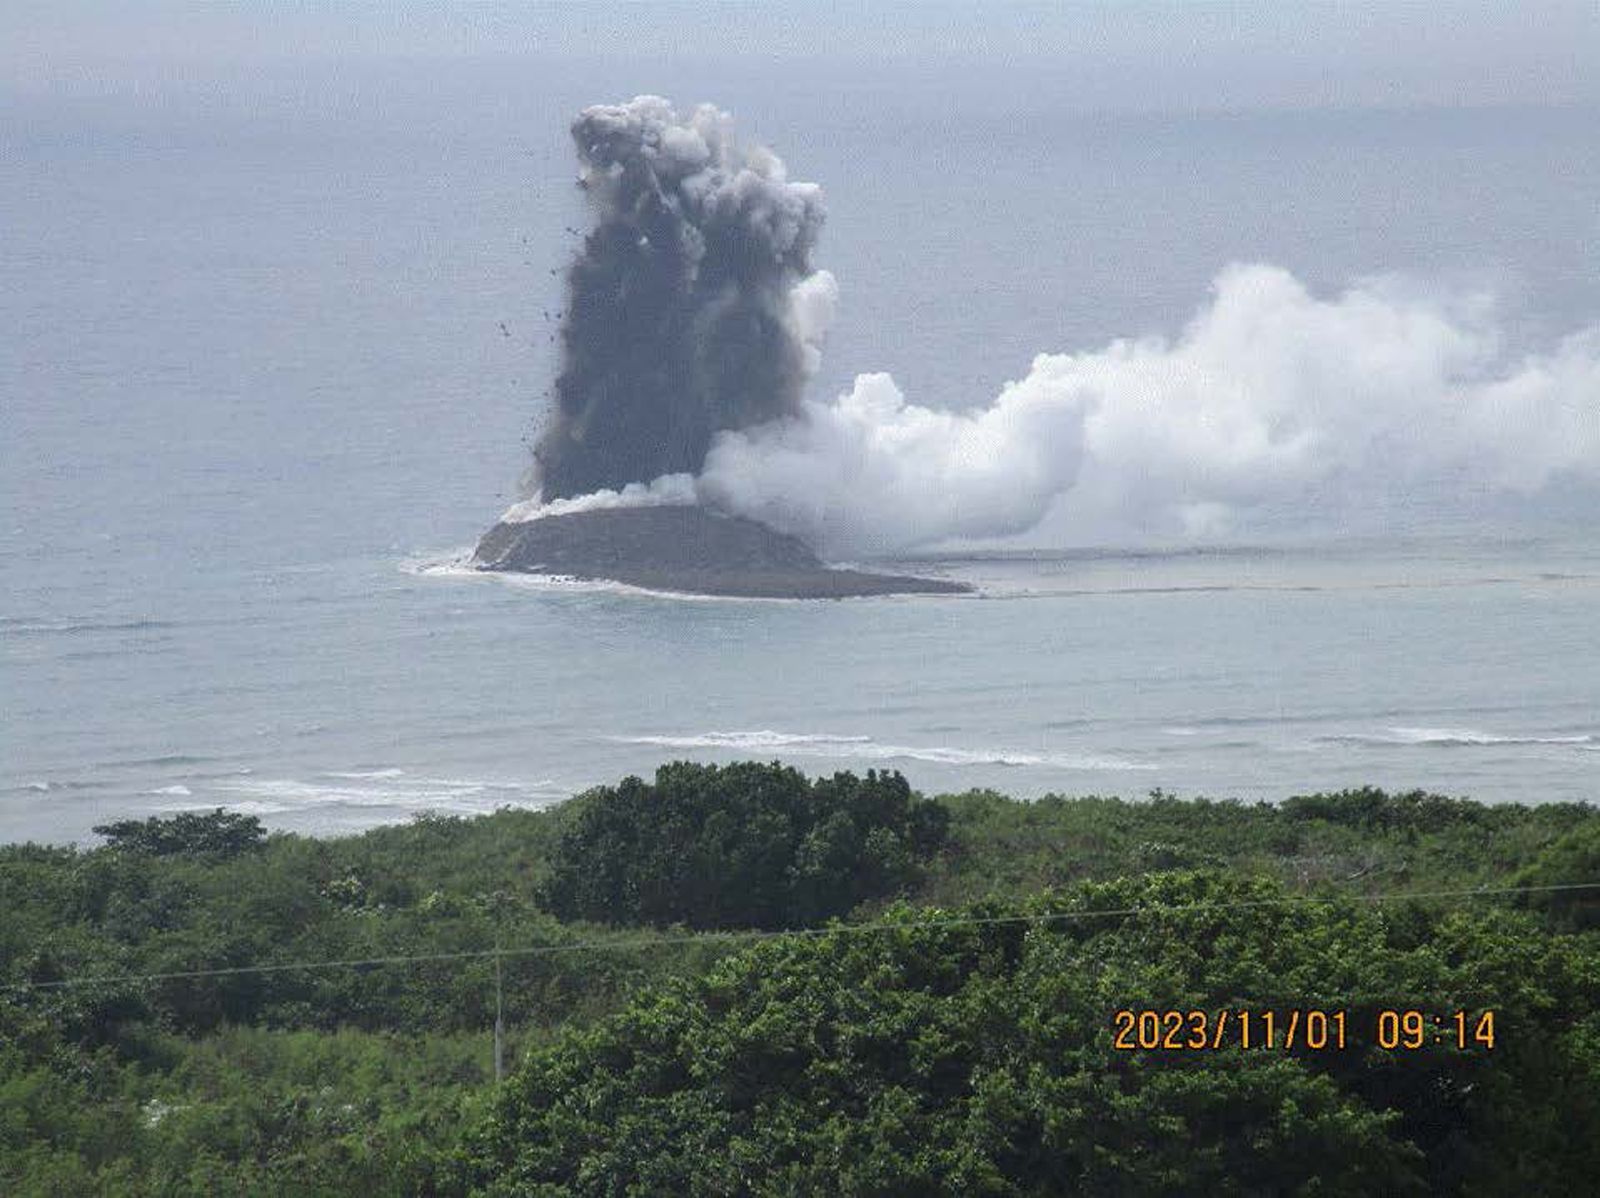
column 692, row 310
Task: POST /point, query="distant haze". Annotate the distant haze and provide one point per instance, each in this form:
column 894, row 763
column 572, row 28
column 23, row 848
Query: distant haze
column 1110, row 54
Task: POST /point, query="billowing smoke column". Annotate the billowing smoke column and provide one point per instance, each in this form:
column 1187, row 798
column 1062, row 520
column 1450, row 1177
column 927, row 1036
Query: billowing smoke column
column 692, row 306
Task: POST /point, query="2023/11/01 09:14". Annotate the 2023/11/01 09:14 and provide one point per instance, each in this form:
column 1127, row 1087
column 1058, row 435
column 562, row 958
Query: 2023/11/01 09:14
column 1313, row 1029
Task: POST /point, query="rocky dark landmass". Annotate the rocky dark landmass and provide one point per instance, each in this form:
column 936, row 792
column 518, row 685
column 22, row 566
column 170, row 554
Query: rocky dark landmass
column 685, row 549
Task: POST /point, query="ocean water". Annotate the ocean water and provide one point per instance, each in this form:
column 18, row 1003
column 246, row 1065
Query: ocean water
column 270, row 364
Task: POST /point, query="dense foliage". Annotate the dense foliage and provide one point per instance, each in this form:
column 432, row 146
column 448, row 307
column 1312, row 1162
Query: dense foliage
column 743, row 845
column 978, row 1058
column 220, row 833
column 875, row 1060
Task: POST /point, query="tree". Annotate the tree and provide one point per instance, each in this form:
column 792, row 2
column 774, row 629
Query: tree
column 743, row 845
column 217, row 833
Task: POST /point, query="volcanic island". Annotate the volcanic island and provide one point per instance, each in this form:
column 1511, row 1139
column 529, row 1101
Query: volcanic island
column 685, row 549
column 692, row 312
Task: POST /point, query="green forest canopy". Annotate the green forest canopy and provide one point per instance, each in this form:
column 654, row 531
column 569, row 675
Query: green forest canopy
column 891, row 1060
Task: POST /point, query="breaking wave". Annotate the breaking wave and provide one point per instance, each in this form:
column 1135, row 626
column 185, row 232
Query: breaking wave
column 382, row 789
column 866, row 749
column 1453, row 738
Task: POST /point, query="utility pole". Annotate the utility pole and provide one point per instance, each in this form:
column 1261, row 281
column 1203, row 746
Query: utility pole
column 499, row 1018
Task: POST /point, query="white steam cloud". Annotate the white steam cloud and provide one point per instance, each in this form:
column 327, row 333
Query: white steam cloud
column 1269, row 395
column 670, row 490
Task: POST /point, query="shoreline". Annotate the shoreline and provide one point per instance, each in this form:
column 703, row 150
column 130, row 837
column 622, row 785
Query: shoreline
column 684, row 550
column 550, row 806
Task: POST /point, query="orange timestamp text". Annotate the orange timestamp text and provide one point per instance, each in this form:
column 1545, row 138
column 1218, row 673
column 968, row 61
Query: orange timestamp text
column 1170, row 1030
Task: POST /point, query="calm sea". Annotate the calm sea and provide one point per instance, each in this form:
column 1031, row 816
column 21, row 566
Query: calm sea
column 269, row 361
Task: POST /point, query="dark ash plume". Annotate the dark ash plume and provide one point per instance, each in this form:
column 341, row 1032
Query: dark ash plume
column 681, row 318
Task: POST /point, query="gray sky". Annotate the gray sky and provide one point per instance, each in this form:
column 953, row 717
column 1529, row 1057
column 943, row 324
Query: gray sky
column 1100, row 54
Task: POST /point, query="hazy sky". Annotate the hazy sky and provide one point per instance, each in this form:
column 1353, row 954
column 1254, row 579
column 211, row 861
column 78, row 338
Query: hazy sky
column 1100, row 54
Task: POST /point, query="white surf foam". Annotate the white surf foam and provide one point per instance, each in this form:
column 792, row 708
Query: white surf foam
column 444, row 563
column 458, row 565
column 865, row 748
column 1454, row 737
column 760, row 739
column 390, row 789
column 242, row 807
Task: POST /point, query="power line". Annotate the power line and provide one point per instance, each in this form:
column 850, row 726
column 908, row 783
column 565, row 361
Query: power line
column 751, row 935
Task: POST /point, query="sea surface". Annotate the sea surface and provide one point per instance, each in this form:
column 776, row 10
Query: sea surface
column 270, row 360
